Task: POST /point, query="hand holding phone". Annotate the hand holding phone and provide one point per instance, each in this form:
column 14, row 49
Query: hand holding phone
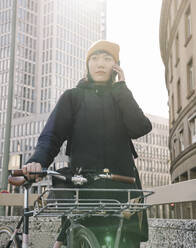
column 117, row 70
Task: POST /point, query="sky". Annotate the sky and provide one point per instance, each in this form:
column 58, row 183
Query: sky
column 134, row 25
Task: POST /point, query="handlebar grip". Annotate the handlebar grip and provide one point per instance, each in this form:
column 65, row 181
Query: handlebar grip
column 124, row 179
column 17, row 173
column 17, row 181
column 39, row 173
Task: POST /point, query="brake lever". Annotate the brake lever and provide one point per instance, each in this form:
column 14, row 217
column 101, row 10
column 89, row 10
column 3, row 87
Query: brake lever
column 79, row 180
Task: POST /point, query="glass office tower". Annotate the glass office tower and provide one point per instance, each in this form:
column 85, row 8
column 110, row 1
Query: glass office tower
column 52, row 38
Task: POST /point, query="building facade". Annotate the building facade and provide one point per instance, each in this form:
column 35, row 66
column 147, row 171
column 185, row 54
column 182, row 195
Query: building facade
column 52, row 38
column 177, row 44
column 153, row 161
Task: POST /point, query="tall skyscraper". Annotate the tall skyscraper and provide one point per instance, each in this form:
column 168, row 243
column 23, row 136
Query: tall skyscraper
column 52, row 37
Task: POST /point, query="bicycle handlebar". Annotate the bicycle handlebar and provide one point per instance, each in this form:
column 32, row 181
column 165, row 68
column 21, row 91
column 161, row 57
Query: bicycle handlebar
column 43, row 173
column 123, row 178
column 77, row 179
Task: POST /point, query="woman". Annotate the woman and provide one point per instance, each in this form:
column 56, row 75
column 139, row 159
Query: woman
column 98, row 118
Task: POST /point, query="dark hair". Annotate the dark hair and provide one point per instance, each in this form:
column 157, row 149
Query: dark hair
column 99, row 52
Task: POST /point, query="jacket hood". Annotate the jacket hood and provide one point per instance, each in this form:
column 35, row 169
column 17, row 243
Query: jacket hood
column 83, row 83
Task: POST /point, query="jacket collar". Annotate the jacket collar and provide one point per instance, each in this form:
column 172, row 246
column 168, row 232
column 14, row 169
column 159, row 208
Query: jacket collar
column 84, row 83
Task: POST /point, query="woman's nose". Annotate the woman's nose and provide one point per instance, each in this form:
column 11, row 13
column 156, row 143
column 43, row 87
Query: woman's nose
column 100, row 63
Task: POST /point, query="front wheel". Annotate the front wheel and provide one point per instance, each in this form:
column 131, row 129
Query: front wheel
column 5, row 235
column 84, row 238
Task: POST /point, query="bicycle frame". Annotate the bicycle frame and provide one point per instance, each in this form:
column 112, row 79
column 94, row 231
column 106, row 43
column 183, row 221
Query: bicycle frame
column 23, row 220
column 77, row 208
column 25, row 233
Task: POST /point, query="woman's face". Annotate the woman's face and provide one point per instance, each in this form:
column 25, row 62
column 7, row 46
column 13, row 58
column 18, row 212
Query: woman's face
column 100, row 67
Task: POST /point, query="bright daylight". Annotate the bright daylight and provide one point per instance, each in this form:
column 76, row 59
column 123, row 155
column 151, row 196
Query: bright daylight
column 97, row 123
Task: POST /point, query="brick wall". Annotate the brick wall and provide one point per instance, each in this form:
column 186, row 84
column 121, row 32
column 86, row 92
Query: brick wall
column 163, row 233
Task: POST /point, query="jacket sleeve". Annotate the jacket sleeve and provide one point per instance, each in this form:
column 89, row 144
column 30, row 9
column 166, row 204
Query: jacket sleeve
column 55, row 132
column 136, row 122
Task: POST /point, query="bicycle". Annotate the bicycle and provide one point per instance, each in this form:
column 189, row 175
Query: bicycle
column 78, row 236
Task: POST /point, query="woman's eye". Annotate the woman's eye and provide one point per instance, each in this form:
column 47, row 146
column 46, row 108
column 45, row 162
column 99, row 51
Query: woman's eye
column 107, row 59
column 94, row 57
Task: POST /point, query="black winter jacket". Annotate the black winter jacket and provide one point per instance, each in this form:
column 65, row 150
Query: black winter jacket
column 108, row 116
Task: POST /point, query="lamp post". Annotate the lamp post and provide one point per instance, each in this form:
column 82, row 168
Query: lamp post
column 4, row 176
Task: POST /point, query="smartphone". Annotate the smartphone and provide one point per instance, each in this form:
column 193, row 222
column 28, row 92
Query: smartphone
column 114, row 73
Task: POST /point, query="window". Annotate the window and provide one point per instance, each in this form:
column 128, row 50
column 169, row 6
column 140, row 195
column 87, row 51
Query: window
column 190, row 78
column 181, row 140
column 179, row 96
column 172, row 109
column 192, row 126
column 174, row 148
column 171, row 68
column 188, row 26
column 177, row 49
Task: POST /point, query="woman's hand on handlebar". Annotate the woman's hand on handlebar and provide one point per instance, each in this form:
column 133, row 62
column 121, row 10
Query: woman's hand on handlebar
column 32, row 167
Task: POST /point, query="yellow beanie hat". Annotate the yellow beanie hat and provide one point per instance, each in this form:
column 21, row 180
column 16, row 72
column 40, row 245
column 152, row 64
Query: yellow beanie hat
column 107, row 46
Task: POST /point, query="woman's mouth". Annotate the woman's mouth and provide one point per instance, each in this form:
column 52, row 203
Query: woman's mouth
column 100, row 72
